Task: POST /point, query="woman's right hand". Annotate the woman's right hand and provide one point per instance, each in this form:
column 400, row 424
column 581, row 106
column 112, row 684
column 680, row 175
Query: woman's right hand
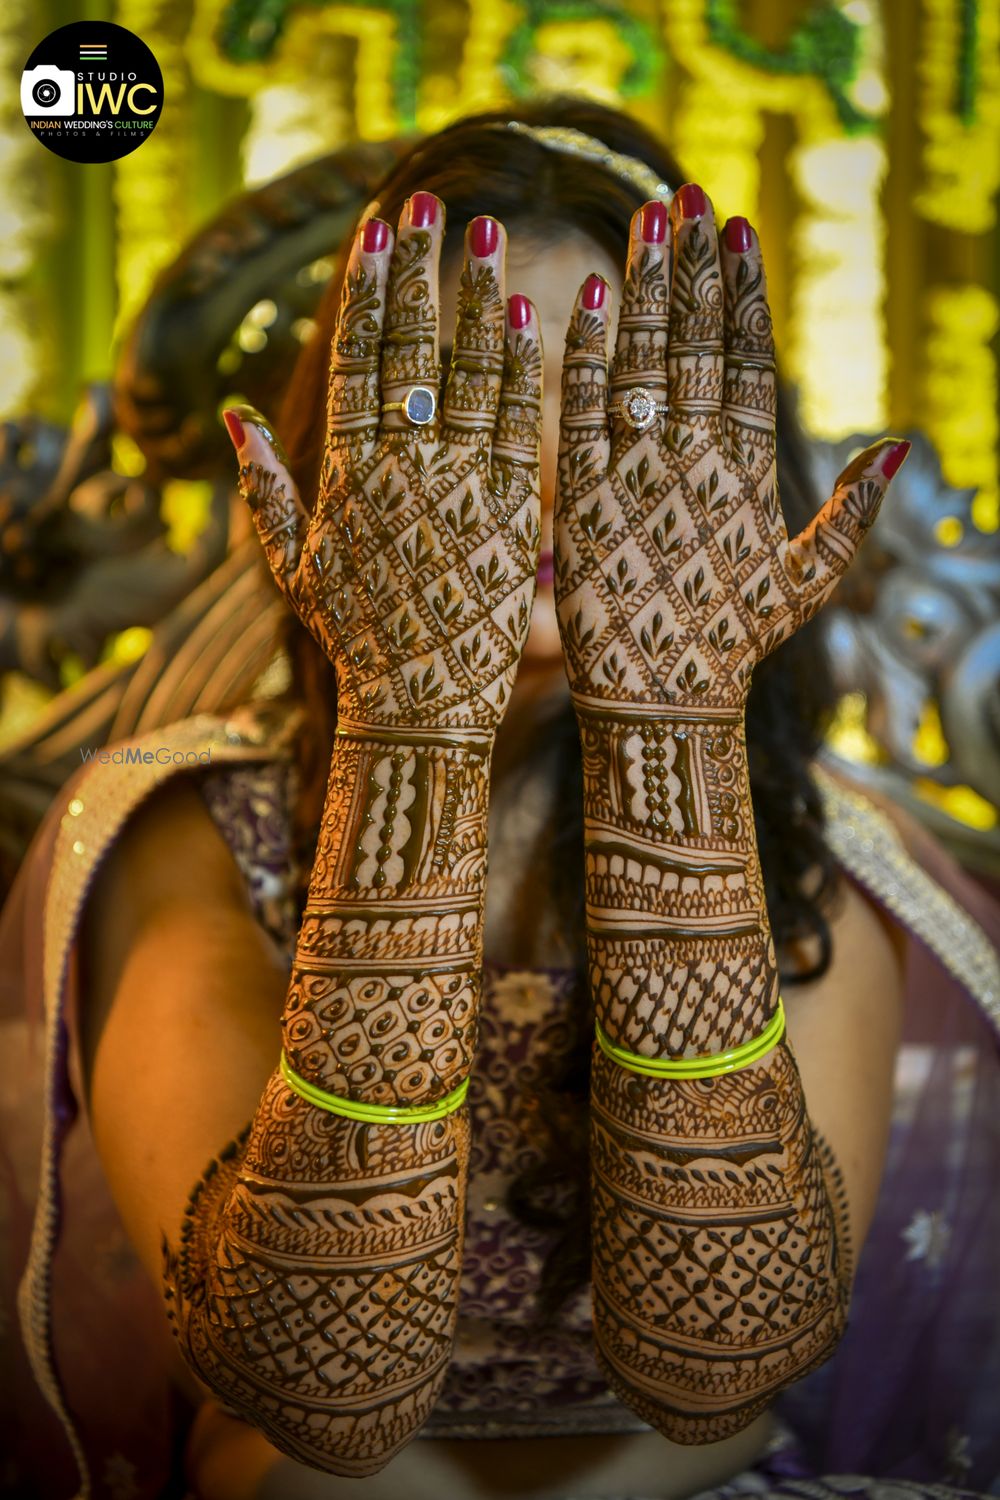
column 415, row 571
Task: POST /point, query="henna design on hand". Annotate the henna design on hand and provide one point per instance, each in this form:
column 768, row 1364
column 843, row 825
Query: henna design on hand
column 674, row 572
column 316, row 1286
column 722, row 1260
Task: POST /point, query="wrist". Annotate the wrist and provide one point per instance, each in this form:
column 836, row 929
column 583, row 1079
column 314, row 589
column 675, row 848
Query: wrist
column 472, row 739
column 675, row 776
column 405, row 817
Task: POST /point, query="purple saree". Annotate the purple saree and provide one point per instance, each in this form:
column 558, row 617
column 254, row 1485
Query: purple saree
column 913, row 1390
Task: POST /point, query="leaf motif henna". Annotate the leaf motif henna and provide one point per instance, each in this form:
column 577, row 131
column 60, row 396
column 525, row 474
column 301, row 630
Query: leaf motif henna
column 721, row 1252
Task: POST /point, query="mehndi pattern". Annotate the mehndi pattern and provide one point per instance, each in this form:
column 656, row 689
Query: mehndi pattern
column 721, row 1261
column 316, row 1285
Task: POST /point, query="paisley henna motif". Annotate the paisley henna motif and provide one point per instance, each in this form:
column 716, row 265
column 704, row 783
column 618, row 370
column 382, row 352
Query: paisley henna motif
column 722, row 1265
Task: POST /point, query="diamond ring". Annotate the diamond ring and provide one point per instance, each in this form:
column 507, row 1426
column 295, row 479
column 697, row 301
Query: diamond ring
column 638, row 407
column 418, row 406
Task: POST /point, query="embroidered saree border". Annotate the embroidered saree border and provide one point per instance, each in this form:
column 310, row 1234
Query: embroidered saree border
column 103, row 799
column 868, row 846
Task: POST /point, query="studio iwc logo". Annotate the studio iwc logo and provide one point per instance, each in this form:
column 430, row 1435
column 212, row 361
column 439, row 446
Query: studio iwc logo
column 92, row 91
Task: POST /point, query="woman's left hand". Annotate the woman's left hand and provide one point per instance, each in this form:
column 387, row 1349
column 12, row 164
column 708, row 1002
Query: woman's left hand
column 674, row 574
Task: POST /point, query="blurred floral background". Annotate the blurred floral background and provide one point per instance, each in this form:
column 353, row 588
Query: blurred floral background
column 863, row 138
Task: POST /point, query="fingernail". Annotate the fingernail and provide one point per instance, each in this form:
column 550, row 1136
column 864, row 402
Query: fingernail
column 423, row 210
column 893, row 458
column 691, row 201
column 518, row 310
column 738, row 235
column 653, row 223
column 374, row 236
column 594, row 289
column 235, row 428
column 483, row 238
column 234, row 418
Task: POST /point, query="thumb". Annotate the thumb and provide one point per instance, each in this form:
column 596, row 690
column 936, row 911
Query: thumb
column 267, row 486
column 822, row 552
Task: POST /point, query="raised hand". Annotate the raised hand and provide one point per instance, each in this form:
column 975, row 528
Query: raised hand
column 416, row 570
column 317, row 1287
column 674, row 573
column 722, row 1254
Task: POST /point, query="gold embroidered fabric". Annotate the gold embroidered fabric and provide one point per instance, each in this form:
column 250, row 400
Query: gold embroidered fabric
column 868, row 846
column 103, row 799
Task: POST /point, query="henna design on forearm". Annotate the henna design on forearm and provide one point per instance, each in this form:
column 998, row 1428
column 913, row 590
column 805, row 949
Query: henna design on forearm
column 720, row 1268
column 316, row 1286
column 722, row 1259
column 719, row 1273
column 317, row 1293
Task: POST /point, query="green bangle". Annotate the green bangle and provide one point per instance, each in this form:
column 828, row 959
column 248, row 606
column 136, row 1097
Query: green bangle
column 698, row 1067
column 372, row 1114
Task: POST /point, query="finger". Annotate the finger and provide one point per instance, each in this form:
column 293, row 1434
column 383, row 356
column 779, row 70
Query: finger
column 640, row 359
column 411, row 358
column 817, row 559
column 470, row 403
column 268, row 488
column 584, row 444
column 748, row 397
column 514, row 488
column 353, row 401
column 694, row 357
column 519, row 418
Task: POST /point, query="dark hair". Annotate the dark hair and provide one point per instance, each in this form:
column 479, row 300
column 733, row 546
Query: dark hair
column 475, row 168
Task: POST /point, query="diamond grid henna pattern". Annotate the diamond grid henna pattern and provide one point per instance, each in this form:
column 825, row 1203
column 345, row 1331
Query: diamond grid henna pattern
column 714, row 1234
column 722, row 1261
column 278, row 1301
column 316, row 1285
column 674, row 573
column 419, row 586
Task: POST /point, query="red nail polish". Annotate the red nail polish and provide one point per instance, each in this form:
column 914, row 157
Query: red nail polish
column 738, row 236
column 893, row 459
column 519, row 311
column 375, row 235
column 423, row 210
column 483, row 236
column 692, row 201
column 235, row 428
column 594, row 289
column 653, row 223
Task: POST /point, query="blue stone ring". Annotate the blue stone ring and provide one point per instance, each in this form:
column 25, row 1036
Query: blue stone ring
column 418, row 407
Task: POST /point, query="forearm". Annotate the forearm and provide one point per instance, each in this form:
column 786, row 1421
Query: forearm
column 720, row 1261
column 317, row 1286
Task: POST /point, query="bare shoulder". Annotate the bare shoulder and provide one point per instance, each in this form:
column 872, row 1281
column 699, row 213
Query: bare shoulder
column 844, row 1029
column 168, row 840
column 180, row 992
column 168, row 854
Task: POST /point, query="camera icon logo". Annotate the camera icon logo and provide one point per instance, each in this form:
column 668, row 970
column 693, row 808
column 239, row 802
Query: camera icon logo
column 47, row 90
